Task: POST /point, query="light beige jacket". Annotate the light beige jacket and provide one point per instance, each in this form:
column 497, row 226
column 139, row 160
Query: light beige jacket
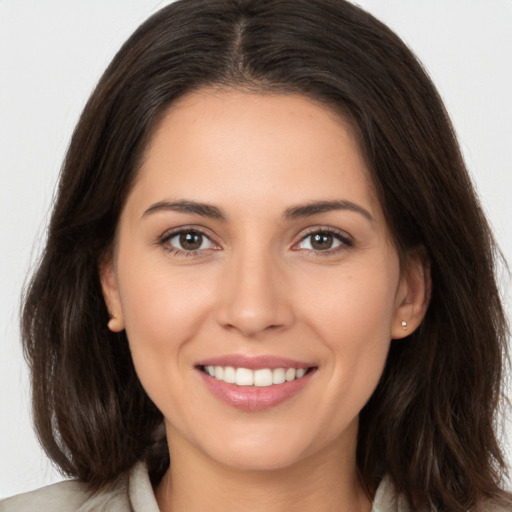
column 135, row 494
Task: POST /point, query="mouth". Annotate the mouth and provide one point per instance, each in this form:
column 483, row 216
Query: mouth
column 255, row 383
column 262, row 377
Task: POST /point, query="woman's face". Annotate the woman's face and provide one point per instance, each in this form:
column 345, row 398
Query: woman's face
column 253, row 247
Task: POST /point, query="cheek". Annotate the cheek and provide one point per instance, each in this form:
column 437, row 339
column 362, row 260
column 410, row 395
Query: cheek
column 354, row 306
column 162, row 312
column 354, row 318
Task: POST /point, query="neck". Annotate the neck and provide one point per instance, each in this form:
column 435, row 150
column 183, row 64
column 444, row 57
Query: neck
column 326, row 482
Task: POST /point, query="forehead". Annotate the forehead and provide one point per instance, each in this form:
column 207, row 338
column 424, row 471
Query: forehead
column 218, row 145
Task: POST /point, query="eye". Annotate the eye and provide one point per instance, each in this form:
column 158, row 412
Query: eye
column 187, row 241
column 323, row 241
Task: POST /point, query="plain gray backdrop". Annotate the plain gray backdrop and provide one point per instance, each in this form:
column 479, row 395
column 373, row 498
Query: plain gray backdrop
column 52, row 52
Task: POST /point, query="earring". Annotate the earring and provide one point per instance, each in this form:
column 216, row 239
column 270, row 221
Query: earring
column 404, row 325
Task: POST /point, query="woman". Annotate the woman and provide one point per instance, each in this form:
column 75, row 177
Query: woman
column 272, row 266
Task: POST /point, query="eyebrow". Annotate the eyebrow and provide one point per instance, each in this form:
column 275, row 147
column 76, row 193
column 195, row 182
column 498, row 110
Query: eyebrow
column 202, row 209
column 313, row 208
column 294, row 212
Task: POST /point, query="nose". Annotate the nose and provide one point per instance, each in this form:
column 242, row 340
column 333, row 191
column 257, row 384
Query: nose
column 254, row 297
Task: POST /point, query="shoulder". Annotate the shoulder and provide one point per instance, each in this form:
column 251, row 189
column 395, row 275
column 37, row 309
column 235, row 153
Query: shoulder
column 132, row 491
column 64, row 496
column 387, row 499
column 69, row 496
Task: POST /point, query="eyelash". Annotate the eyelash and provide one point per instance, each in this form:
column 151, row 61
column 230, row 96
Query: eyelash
column 340, row 236
column 165, row 239
column 345, row 241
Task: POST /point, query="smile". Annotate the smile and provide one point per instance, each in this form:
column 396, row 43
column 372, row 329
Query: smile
column 262, row 377
column 255, row 383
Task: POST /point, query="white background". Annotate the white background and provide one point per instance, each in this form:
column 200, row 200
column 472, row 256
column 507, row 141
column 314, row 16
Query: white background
column 51, row 54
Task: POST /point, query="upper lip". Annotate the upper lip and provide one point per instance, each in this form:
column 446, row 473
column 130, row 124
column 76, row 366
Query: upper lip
column 254, row 362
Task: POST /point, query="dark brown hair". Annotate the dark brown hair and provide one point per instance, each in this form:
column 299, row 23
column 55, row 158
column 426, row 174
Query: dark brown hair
column 430, row 422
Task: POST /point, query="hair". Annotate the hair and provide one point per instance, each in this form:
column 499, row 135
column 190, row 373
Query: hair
column 430, row 424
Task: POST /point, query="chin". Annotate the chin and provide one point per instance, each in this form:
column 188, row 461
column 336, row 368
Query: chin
column 273, row 448
column 261, row 459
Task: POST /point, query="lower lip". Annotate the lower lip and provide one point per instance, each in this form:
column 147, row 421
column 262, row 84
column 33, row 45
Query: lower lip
column 255, row 398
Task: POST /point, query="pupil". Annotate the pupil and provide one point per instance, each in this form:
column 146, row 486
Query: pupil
column 191, row 241
column 322, row 241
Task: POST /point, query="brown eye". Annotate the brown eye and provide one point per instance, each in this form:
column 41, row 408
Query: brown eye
column 191, row 241
column 324, row 241
column 188, row 241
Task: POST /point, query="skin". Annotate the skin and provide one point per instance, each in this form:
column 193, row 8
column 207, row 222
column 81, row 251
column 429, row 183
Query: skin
column 256, row 286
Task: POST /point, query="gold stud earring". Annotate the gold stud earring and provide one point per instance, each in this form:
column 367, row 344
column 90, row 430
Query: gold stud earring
column 404, row 325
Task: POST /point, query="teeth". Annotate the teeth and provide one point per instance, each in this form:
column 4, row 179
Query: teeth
column 219, row 372
column 229, row 375
column 244, row 377
column 290, row 374
column 263, row 377
column 259, row 378
column 279, row 376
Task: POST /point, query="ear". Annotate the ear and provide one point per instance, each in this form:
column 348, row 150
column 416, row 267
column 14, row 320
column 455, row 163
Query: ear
column 111, row 293
column 413, row 294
